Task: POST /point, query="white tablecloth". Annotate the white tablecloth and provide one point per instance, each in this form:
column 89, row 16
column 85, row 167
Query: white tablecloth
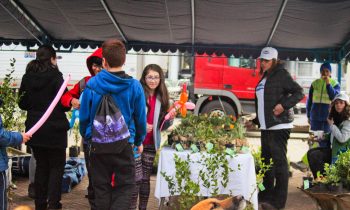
column 242, row 182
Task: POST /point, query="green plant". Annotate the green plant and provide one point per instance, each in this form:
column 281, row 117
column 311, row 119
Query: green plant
column 214, row 163
column 331, row 174
column 182, row 184
column 76, row 133
column 261, row 167
column 343, row 167
column 12, row 116
column 219, row 130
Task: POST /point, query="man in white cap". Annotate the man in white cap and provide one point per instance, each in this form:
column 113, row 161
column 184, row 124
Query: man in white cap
column 276, row 95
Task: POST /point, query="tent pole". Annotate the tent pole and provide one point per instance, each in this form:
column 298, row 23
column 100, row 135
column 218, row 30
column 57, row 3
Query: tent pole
column 114, row 21
column 280, row 13
column 12, row 14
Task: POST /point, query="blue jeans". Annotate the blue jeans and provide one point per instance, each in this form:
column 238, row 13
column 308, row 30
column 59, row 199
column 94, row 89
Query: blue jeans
column 3, row 196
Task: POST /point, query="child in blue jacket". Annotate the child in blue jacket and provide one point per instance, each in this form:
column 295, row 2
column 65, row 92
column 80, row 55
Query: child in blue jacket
column 7, row 138
column 127, row 93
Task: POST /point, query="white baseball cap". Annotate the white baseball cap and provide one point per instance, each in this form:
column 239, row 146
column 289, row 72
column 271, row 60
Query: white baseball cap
column 342, row 96
column 268, row 53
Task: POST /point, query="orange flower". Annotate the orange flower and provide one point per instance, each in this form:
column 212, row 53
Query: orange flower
column 232, row 126
column 233, row 118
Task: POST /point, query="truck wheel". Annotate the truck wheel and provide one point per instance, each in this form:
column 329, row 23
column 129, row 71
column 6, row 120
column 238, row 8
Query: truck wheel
column 214, row 107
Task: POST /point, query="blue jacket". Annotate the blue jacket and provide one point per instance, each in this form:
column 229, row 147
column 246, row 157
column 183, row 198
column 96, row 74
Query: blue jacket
column 7, row 138
column 128, row 95
column 318, row 111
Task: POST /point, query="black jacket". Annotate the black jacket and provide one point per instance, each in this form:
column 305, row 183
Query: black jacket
column 39, row 89
column 280, row 88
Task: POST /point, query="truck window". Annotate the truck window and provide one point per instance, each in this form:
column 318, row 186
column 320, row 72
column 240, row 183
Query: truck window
column 248, row 63
column 304, row 69
column 234, row 62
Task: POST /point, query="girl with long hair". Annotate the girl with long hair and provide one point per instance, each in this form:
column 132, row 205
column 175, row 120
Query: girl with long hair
column 157, row 104
column 39, row 87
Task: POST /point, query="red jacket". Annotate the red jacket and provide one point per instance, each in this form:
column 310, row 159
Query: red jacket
column 76, row 90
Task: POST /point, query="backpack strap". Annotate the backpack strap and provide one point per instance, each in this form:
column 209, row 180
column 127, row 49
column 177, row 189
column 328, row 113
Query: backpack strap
column 82, row 85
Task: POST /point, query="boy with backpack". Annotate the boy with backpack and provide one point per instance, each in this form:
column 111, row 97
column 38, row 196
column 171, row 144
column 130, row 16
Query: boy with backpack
column 113, row 109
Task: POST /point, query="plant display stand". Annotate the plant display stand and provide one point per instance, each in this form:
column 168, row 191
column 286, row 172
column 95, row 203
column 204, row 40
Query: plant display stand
column 327, row 200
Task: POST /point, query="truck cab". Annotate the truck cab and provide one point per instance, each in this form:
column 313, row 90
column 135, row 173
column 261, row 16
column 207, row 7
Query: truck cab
column 225, row 85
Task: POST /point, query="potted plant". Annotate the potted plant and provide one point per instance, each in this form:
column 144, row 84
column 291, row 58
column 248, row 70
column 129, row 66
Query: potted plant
column 74, row 150
column 332, row 178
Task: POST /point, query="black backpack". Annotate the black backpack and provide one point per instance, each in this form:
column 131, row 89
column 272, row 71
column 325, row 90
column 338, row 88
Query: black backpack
column 110, row 132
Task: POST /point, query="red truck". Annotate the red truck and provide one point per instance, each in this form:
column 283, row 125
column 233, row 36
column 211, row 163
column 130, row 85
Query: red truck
column 225, row 84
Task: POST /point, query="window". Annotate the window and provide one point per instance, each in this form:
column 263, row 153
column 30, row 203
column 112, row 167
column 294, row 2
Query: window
column 304, row 69
column 234, row 62
column 241, row 62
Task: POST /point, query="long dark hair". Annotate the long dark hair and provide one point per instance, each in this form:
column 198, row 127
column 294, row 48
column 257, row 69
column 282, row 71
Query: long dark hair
column 161, row 90
column 339, row 117
column 42, row 62
column 275, row 63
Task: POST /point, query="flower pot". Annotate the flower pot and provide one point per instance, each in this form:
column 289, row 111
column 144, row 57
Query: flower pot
column 335, row 188
column 319, row 187
column 198, row 144
column 229, row 145
column 74, row 151
column 309, row 179
column 170, row 140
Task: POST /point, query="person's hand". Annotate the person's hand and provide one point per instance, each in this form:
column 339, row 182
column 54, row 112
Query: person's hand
column 75, row 103
column 330, row 121
column 326, row 79
column 149, row 127
column 140, row 149
column 25, row 137
column 172, row 115
column 278, row 109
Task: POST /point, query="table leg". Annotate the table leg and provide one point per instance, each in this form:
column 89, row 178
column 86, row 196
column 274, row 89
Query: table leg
column 161, row 205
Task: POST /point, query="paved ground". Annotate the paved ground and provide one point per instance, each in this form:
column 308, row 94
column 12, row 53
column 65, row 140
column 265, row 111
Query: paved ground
column 75, row 200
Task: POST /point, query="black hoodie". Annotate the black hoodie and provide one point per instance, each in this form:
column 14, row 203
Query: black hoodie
column 39, row 89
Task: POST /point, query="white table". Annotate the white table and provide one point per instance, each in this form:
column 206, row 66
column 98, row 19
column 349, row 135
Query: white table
column 241, row 182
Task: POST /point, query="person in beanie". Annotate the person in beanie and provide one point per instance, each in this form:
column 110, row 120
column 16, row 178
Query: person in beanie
column 275, row 96
column 7, row 138
column 321, row 93
column 128, row 95
column 71, row 99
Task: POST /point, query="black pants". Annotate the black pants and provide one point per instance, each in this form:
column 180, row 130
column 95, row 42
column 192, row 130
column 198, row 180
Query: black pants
column 91, row 195
column 274, row 146
column 103, row 166
column 317, row 157
column 48, row 176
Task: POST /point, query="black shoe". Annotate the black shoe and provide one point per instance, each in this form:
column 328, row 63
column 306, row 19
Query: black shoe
column 55, row 206
column 31, row 191
column 267, row 206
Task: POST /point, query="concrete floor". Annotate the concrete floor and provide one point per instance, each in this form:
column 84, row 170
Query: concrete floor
column 75, row 200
